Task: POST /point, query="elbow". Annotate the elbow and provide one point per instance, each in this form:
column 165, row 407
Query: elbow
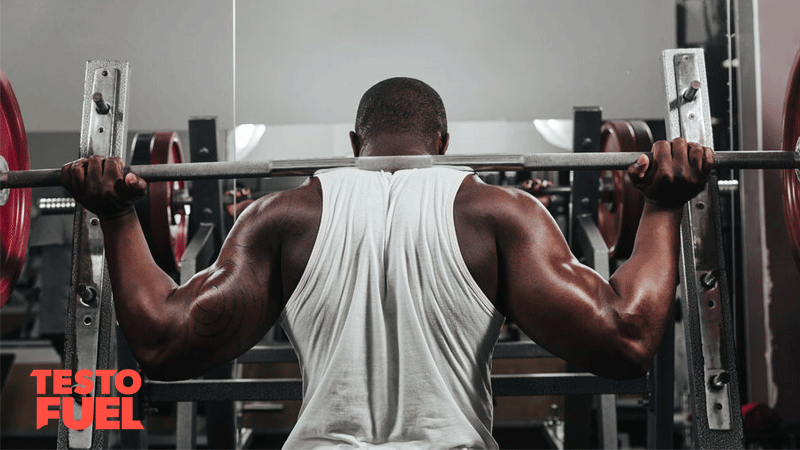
column 636, row 366
column 633, row 361
column 634, row 346
column 158, row 356
column 169, row 362
column 153, row 362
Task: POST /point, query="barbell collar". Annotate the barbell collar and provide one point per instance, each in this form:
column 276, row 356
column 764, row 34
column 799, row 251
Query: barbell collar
column 304, row 167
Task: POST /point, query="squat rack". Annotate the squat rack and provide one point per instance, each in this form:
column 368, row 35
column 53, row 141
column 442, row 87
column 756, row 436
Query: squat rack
column 92, row 337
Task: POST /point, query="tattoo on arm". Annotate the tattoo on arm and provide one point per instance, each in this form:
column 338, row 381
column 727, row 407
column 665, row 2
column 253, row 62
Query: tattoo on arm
column 230, row 302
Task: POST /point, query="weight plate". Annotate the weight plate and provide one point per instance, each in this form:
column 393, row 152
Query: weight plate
column 15, row 215
column 790, row 143
column 621, row 203
column 165, row 226
column 140, row 155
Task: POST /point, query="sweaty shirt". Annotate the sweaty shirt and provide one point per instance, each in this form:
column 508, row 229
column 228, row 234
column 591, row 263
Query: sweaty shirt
column 393, row 335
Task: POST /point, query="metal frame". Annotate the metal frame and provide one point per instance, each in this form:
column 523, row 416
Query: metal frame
column 90, row 336
column 585, row 240
column 292, row 388
column 713, row 381
column 206, row 193
column 752, row 200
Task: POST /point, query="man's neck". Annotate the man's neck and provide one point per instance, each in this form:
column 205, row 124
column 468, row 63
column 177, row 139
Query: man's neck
column 394, row 145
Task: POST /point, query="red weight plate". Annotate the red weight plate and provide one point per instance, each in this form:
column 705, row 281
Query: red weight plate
column 15, row 215
column 791, row 184
column 168, row 225
column 621, row 203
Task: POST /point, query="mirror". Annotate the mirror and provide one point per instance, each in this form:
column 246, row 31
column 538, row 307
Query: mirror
column 301, row 67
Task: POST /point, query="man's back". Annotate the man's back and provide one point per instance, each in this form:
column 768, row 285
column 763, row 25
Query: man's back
column 478, row 211
column 393, row 334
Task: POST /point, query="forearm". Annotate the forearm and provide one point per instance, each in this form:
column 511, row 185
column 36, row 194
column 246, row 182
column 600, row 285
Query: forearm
column 646, row 282
column 141, row 289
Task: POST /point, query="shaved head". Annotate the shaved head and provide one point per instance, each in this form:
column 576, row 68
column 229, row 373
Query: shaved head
column 402, row 105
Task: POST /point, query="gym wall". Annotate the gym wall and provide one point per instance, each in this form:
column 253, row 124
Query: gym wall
column 309, row 62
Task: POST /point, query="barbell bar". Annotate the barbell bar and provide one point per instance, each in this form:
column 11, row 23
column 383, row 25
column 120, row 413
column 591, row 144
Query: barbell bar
column 304, row 167
column 50, row 206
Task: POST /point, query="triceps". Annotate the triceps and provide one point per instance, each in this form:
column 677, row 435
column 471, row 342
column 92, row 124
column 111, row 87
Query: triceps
column 230, row 302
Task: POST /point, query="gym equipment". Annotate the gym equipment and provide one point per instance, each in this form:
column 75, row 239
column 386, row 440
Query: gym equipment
column 15, row 213
column 164, row 211
column 709, row 344
column 303, row 167
column 621, row 203
column 791, row 143
column 703, row 288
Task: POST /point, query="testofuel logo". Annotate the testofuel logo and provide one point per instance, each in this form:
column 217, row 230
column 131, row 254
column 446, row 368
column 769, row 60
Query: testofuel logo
column 107, row 413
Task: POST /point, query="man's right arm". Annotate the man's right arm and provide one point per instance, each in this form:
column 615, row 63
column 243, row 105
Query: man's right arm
column 182, row 331
column 612, row 328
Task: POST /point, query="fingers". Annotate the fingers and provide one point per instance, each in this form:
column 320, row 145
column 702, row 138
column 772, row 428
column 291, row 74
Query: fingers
column 72, row 175
column 708, row 159
column 535, row 185
column 639, row 167
column 680, row 151
column 696, row 156
column 136, row 184
column 700, row 158
column 128, row 186
column 101, row 186
column 94, row 169
column 678, row 171
column 662, row 155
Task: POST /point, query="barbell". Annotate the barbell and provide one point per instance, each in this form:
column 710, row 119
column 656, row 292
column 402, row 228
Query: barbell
column 303, row 167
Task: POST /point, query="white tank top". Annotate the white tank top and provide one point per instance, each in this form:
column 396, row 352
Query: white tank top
column 393, row 335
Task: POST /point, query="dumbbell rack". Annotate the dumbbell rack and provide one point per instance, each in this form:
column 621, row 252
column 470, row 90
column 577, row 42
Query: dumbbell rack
column 91, row 335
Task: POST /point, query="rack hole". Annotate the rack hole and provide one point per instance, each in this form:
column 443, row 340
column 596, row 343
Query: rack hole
column 87, row 320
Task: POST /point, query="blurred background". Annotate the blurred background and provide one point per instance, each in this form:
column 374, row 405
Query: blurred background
column 283, row 79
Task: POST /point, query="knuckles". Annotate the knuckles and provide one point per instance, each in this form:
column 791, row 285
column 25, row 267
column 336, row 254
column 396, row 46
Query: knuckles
column 678, row 171
column 98, row 184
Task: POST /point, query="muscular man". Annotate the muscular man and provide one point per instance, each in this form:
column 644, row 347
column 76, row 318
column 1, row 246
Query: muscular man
column 393, row 286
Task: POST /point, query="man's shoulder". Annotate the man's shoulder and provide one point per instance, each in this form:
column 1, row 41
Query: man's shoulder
column 290, row 207
column 474, row 193
column 505, row 210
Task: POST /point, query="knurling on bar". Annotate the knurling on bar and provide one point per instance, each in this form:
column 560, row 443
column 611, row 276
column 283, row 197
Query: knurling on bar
column 303, row 167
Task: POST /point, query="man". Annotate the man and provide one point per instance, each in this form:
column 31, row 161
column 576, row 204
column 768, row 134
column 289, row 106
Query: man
column 393, row 286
